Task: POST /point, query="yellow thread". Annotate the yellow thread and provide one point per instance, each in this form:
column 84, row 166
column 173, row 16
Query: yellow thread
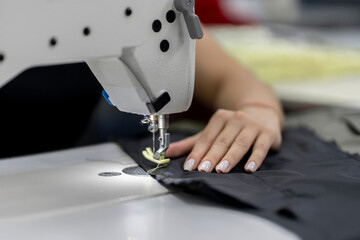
column 156, row 168
column 149, row 155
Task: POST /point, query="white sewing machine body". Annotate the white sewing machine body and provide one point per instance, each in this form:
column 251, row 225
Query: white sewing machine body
column 142, row 52
column 134, row 61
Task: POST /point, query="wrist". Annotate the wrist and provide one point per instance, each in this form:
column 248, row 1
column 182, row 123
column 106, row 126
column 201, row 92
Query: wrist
column 277, row 111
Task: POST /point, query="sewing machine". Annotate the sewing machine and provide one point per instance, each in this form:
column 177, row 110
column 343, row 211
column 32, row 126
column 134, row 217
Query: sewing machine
column 142, row 52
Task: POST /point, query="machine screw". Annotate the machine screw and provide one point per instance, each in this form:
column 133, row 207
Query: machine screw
column 86, row 31
column 52, row 42
column 164, row 45
column 128, row 11
column 170, row 16
column 156, row 26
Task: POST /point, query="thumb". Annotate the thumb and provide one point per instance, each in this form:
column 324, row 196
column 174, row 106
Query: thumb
column 180, row 148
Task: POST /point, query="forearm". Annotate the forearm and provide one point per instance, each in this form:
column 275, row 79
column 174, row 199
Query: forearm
column 241, row 90
column 221, row 82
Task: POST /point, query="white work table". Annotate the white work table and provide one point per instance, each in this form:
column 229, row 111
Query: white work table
column 60, row 195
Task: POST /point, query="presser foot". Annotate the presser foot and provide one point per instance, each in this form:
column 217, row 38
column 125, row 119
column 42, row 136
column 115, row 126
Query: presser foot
column 157, row 124
column 149, row 155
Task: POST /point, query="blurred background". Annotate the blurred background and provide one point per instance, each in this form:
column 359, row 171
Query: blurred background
column 308, row 51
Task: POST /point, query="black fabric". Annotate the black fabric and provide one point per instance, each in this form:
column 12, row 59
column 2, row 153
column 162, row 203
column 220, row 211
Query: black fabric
column 46, row 108
column 310, row 186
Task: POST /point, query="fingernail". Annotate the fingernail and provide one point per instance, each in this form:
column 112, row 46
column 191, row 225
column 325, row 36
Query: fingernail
column 205, row 166
column 222, row 166
column 189, row 164
column 251, row 166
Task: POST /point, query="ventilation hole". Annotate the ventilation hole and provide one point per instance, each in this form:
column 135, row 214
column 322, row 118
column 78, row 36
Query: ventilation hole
column 2, row 57
column 164, row 45
column 170, row 16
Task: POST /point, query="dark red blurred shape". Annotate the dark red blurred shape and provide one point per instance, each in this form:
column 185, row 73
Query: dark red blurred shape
column 210, row 12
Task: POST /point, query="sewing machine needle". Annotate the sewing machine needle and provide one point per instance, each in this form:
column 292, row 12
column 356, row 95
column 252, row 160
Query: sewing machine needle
column 153, row 142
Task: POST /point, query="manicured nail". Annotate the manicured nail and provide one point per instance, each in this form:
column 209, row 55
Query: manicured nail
column 251, row 166
column 189, row 164
column 205, row 166
column 222, row 166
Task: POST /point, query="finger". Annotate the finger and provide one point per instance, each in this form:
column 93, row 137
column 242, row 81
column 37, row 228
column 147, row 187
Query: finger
column 180, row 148
column 238, row 149
column 259, row 152
column 220, row 146
column 277, row 142
column 206, row 139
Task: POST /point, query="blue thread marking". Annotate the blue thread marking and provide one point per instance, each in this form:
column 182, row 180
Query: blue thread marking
column 106, row 96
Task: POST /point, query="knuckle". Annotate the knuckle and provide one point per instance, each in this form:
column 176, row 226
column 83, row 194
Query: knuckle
column 242, row 143
column 239, row 115
column 261, row 146
column 276, row 145
column 269, row 131
column 254, row 123
column 257, row 157
column 194, row 155
column 222, row 142
column 205, row 138
column 231, row 157
column 221, row 113
column 234, row 122
column 205, row 143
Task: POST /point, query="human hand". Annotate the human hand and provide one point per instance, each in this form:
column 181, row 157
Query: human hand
column 228, row 137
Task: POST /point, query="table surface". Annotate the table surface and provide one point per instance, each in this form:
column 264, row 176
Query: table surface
column 60, row 195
